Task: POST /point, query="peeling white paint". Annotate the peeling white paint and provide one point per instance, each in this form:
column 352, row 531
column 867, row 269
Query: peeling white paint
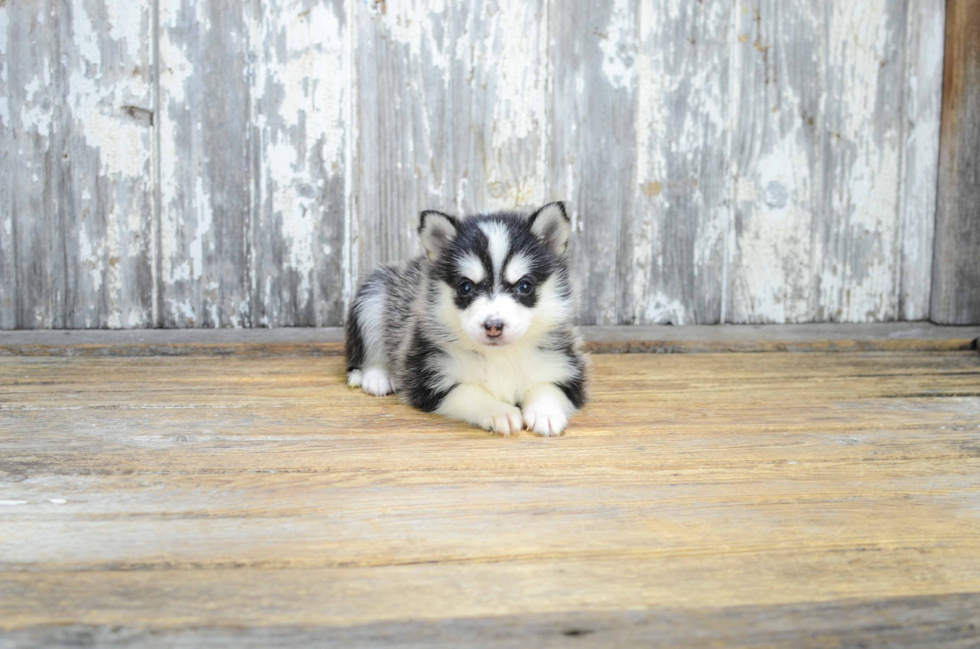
column 774, row 250
column 185, row 210
column 618, row 46
column 414, row 23
column 126, row 19
column 660, row 309
column 833, row 216
column 85, row 37
column 654, row 80
column 299, row 97
column 37, row 114
column 519, row 103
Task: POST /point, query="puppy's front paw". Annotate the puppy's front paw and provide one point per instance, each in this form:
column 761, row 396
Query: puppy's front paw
column 542, row 420
column 507, row 421
column 377, row 382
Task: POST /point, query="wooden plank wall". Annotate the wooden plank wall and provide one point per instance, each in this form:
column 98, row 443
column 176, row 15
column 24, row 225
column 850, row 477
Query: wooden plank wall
column 956, row 273
column 221, row 163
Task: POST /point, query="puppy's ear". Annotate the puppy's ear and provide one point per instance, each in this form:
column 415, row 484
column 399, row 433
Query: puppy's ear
column 437, row 230
column 551, row 225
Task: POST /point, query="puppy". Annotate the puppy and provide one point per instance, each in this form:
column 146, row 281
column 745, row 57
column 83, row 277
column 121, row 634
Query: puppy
column 479, row 328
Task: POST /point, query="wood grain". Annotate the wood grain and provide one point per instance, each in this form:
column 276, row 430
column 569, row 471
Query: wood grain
column 594, row 138
column 204, row 277
column 452, row 115
column 933, row 622
column 673, row 260
column 76, row 122
column 956, row 271
column 818, row 161
column 746, row 162
column 925, row 25
column 299, row 124
column 217, row 498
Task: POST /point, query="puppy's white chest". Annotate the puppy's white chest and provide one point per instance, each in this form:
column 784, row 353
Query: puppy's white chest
column 509, row 376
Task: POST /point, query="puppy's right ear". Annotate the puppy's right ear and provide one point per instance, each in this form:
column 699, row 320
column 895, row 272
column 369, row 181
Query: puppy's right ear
column 437, row 230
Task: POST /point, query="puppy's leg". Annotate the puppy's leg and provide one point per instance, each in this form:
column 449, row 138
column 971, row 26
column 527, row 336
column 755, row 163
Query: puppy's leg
column 473, row 404
column 547, row 409
column 366, row 366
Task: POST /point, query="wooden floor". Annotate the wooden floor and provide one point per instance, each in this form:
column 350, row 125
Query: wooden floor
column 716, row 500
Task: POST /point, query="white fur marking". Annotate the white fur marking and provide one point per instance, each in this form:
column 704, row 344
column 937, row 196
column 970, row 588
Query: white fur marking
column 517, row 267
column 474, row 404
column 516, row 318
column 547, row 411
column 472, row 268
column 376, row 381
column 499, row 244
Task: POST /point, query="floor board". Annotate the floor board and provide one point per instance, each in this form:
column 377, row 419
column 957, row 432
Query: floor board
column 728, row 500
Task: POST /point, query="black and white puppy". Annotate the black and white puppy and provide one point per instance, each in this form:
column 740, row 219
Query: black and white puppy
column 480, row 328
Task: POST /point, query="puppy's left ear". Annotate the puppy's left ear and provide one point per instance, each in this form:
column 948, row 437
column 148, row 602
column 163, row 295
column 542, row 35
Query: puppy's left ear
column 551, row 225
column 437, row 230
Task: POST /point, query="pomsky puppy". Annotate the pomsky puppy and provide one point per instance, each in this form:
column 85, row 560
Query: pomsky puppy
column 480, row 327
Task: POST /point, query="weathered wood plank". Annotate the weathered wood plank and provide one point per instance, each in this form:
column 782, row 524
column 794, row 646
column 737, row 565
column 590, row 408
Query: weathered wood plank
column 956, row 270
column 818, row 154
column 930, row 622
column 499, row 102
column 36, row 137
column 451, row 114
column 8, row 159
column 672, row 266
column 108, row 159
column 857, row 237
column 593, row 151
column 206, row 178
column 818, row 491
column 300, row 94
column 33, row 213
column 403, row 159
column 77, row 146
column 925, row 24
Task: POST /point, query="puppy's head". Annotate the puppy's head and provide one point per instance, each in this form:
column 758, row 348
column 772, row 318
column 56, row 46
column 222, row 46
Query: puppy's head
column 499, row 278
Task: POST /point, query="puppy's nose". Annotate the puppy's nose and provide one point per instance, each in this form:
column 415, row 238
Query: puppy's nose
column 494, row 328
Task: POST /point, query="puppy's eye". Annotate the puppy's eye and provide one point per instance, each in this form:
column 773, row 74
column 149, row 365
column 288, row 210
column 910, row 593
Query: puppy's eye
column 465, row 287
column 524, row 286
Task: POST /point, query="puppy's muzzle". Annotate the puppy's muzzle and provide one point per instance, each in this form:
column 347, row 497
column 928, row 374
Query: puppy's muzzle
column 494, row 328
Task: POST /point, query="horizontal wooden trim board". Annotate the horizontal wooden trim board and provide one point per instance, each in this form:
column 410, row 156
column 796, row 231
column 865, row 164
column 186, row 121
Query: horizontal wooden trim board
column 329, row 341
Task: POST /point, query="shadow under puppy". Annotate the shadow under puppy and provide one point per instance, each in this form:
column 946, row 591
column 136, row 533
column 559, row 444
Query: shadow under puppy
column 480, row 327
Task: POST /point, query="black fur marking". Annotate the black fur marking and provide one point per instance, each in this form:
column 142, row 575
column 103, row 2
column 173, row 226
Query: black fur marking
column 353, row 342
column 574, row 385
column 422, row 358
column 574, row 389
column 354, row 339
column 561, row 208
column 470, row 239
